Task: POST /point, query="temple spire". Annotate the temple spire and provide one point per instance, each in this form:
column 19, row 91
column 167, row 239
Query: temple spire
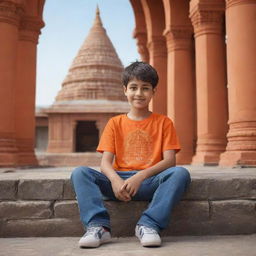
column 95, row 73
column 97, row 20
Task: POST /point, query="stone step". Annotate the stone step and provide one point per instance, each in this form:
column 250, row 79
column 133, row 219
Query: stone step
column 239, row 245
column 41, row 202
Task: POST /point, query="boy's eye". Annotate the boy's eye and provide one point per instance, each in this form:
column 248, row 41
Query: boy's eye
column 133, row 88
column 145, row 88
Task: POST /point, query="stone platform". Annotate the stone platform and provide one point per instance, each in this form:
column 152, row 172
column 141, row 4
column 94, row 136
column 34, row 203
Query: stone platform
column 40, row 202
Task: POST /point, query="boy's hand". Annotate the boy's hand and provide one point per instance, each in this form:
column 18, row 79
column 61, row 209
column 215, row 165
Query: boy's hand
column 132, row 184
column 120, row 194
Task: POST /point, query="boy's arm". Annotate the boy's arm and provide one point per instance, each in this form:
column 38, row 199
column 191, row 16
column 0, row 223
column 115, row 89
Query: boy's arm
column 116, row 181
column 132, row 184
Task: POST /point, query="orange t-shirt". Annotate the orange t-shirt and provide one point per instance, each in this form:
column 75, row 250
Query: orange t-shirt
column 138, row 145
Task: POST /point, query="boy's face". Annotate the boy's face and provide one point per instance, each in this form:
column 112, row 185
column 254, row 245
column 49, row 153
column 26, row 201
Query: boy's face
column 139, row 93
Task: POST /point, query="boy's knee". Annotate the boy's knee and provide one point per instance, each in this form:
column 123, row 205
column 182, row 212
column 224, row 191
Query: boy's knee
column 183, row 173
column 79, row 171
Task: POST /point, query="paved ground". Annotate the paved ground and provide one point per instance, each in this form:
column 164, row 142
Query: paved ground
column 242, row 245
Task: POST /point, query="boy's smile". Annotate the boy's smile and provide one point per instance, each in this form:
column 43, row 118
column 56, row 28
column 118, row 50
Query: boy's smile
column 139, row 93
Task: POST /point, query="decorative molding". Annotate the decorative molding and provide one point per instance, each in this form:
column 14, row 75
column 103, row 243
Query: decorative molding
column 142, row 45
column 231, row 3
column 208, row 22
column 31, row 23
column 242, row 136
column 157, row 46
column 178, row 38
column 138, row 32
column 7, row 143
column 30, row 28
column 10, row 12
column 208, row 17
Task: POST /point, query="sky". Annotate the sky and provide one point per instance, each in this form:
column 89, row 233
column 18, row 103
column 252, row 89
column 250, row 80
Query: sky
column 67, row 24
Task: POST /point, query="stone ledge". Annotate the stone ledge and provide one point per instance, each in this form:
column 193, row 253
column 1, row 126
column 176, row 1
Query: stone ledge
column 201, row 188
column 36, row 203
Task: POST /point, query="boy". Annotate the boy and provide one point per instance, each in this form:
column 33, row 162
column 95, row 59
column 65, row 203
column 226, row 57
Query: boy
column 142, row 145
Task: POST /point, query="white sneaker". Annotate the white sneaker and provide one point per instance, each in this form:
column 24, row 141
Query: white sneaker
column 147, row 236
column 94, row 237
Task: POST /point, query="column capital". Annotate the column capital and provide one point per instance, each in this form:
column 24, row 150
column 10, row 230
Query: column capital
column 30, row 28
column 230, row 3
column 178, row 37
column 157, row 46
column 11, row 11
column 207, row 17
column 141, row 37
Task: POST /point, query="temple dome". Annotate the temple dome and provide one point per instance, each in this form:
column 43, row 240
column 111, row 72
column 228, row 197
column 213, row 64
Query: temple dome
column 95, row 73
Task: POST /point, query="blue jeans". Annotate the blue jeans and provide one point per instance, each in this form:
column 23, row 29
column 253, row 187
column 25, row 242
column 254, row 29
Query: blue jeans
column 164, row 190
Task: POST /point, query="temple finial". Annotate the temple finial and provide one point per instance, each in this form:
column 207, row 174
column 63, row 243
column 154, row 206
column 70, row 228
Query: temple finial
column 97, row 20
column 97, row 10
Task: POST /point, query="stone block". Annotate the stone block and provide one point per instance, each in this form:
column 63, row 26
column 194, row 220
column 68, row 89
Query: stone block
column 40, row 189
column 233, row 216
column 25, row 209
column 194, row 211
column 124, row 216
column 221, row 188
column 122, row 210
column 232, row 189
column 197, row 190
column 66, row 209
column 8, row 189
column 43, row 228
column 68, row 190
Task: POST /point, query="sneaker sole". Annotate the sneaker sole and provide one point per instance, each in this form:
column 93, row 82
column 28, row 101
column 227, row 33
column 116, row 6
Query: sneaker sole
column 150, row 244
column 95, row 245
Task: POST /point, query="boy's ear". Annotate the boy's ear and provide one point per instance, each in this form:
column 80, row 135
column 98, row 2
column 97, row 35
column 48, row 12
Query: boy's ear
column 125, row 89
column 154, row 90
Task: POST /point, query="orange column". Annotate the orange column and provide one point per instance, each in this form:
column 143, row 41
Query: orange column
column 241, row 60
column 25, row 89
column 211, row 92
column 142, row 45
column 158, row 59
column 9, row 21
column 181, row 88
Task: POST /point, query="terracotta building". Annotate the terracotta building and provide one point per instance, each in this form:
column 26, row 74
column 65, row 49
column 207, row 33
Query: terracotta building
column 204, row 51
column 91, row 93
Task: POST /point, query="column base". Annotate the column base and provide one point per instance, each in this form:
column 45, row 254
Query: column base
column 26, row 159
column 238, row 158
column 206, row 158
column 8, row 159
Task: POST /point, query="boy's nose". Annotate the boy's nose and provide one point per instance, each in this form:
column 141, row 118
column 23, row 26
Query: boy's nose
column 139, row 92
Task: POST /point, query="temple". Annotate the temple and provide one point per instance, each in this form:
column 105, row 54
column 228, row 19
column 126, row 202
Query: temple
column 91, row 93
column 203, row 50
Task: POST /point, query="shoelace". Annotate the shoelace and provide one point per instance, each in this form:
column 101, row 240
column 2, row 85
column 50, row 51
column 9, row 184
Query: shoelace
column 149, row 230
column 92, row 230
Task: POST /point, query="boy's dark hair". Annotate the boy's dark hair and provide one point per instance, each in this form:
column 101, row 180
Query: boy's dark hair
column 141, row 71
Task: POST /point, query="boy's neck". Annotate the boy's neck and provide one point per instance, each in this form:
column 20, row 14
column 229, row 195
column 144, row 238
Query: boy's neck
column 138, row 115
